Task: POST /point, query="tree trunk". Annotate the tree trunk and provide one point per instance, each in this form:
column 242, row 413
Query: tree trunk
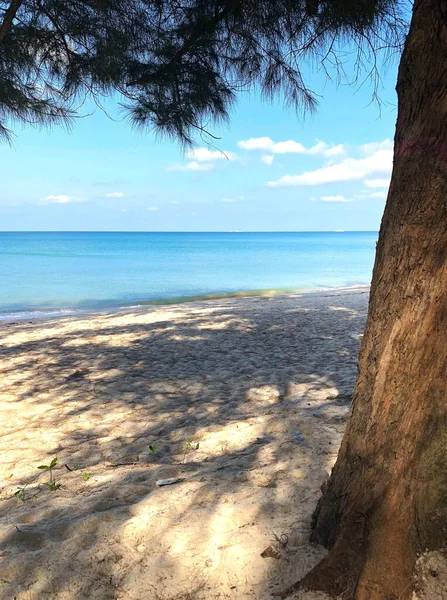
column 386, row 499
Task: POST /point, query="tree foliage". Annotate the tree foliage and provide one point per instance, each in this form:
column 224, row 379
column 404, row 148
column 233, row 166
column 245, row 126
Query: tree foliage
column 178, row 65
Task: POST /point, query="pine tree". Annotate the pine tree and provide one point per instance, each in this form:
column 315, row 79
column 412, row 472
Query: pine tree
column 176, row 65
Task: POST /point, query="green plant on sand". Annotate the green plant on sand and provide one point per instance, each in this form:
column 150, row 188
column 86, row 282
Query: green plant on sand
column 20, row 494
column 52, row 485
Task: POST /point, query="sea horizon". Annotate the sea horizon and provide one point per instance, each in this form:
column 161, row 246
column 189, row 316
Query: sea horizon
column 61, row 272
column 188, row 231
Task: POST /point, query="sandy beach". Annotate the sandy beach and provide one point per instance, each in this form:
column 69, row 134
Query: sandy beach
column 244, row 401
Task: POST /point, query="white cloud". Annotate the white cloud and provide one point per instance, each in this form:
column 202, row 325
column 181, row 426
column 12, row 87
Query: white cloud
column 291, row 147
column 262, row 143
column 333, row 198
column 192, row 166
column 59, row 199
column 207, row 155
column 153, row 209
column 332, row 151
column 288, row 147
column 323, row 149
column 373, row 147
column 377, row 183
column 115, row 195
column 202, row 159
column 267, row 159
column 349, row 169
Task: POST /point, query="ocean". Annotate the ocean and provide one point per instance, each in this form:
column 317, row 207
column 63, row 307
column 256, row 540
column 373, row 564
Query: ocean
column 63, row 272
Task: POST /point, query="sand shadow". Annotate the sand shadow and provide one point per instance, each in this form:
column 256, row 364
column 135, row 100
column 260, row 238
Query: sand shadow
column 245, row 401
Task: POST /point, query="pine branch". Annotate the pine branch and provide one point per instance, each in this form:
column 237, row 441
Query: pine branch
column 9, row 18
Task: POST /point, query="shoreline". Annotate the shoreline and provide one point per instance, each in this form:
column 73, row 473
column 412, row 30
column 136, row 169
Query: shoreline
column 44, row 314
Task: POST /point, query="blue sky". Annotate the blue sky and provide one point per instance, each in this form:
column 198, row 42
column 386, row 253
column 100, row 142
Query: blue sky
column 271, row 170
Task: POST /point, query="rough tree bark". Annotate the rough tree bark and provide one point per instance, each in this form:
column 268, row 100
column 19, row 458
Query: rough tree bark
column 386, row 499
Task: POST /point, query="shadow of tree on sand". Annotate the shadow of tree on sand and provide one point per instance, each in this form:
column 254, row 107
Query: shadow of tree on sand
column 245, row 401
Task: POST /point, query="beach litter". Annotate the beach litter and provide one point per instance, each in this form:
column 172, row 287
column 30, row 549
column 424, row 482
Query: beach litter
column 170, row 481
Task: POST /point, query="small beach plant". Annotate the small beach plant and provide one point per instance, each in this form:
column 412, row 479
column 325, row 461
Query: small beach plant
column 20, row 494
column 52, row 485
column 152, row 448
column 85, row 476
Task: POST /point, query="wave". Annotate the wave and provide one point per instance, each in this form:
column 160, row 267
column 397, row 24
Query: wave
column 48, row 313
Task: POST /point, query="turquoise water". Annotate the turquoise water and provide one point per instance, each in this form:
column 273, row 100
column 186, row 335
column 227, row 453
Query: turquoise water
column 61, row 271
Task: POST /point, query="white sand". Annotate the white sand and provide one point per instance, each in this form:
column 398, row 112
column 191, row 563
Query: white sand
column 245, row 400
